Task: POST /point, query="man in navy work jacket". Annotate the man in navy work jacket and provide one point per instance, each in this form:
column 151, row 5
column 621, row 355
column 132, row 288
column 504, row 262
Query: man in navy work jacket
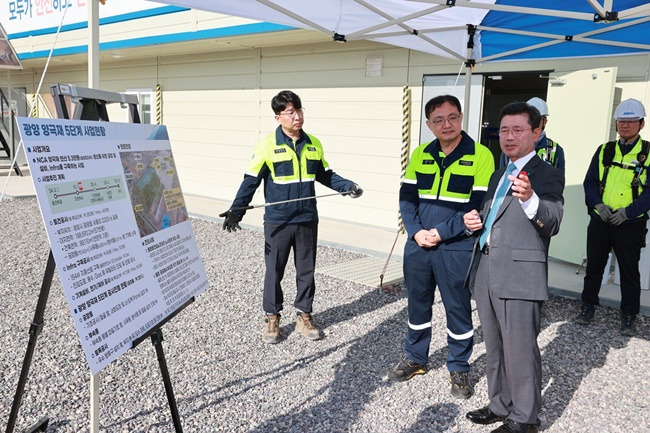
column 444, row 180
column 289, row 161
column 618, row 201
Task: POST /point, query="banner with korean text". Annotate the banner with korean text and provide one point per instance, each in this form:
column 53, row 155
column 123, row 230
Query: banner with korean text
column 117, row 225
column 44, row 16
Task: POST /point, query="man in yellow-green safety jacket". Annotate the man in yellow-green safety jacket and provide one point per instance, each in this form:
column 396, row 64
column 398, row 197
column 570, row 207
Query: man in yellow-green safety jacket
column 618, row 201
column 289, row 162
column 444, row 180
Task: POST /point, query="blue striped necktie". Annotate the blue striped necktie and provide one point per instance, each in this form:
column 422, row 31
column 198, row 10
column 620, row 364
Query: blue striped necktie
column 496, row 204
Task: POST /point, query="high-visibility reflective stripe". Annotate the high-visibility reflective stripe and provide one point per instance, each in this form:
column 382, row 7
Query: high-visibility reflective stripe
column 410, row 181
column 452, row 199
column 479, row 188
column 287, row 182
column 464, row 336
column 419, row 327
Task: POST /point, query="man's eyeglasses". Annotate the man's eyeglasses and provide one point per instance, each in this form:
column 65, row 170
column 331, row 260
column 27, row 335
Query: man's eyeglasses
column 452, row 119
column 516, row 132
column 292, row 114
column 628, row 122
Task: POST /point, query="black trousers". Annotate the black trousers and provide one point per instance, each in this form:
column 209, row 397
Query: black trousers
column 279, row 240
column 627, row 241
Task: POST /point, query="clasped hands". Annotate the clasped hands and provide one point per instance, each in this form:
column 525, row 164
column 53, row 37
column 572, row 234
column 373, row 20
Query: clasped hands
column 608, row 215
column 427, row 238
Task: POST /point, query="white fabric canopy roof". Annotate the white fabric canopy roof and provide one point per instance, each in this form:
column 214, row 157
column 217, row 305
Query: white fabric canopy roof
column 504, row 29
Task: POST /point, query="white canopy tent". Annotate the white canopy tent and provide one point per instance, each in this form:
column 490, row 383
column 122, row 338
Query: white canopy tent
column 491, row 31
column 471, row 31
column 495, row 29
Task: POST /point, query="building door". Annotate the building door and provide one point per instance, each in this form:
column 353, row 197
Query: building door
column 500, row 90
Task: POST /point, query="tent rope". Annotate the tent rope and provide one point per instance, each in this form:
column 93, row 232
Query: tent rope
column 406, row 142
column 404, row 160
column 158, row 105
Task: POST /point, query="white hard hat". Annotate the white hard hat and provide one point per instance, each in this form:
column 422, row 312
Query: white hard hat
column 539, row 104
column 629, row 109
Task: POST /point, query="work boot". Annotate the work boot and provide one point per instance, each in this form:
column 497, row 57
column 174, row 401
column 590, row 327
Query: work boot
column 305, row 325
column 460, row 386
column 406, row 369
column 586, row 314
column 271, row 331
column 628, row 325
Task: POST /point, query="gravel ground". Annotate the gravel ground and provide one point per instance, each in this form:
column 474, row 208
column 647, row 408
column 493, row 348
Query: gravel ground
column 226, row 380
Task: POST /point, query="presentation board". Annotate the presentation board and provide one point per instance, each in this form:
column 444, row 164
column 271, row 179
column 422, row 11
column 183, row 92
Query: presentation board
column 118, row 227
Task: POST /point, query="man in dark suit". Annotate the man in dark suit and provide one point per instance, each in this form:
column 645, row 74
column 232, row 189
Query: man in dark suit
column 510, row 271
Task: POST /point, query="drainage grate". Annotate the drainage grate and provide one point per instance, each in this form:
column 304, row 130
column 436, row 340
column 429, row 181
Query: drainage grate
column 366, row 271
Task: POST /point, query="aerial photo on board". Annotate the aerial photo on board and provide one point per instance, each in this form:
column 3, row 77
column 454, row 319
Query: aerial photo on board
column 155, row 191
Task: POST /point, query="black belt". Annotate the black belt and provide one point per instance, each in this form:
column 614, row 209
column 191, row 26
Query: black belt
column 486, row 249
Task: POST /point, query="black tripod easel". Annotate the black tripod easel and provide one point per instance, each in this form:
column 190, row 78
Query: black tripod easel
column 90, row 105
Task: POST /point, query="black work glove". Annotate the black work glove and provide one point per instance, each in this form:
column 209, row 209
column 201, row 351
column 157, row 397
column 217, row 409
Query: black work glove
column 355, row 191
column 231, row 221
column 604, row 211
column 618, row 217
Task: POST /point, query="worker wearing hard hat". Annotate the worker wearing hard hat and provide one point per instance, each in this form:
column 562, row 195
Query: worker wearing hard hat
column 548, row 150
column 618, row 201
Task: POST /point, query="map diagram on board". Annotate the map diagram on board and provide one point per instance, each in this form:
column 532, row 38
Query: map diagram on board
column 155, row 191
column 70, row 196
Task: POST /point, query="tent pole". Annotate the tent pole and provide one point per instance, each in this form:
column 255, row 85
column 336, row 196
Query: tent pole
column 93, row 83
column 93, row 44
column 468, row 87
column 471, row 29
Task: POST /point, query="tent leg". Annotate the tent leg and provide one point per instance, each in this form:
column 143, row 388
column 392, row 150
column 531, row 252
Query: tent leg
column 468, row 90
column 471, row 30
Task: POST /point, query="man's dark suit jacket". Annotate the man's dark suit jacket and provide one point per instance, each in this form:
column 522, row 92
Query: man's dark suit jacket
column 518, row 245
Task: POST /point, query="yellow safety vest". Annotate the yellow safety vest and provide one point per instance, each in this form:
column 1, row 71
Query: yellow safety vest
column 617, row 191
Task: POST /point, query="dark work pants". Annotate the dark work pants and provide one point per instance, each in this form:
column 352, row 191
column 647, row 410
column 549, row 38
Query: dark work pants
column 279, row 240
column 424, row 269
column 627, row 241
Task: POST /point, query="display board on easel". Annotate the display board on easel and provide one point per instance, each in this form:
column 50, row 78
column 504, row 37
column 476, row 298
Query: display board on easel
column 118, row 228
